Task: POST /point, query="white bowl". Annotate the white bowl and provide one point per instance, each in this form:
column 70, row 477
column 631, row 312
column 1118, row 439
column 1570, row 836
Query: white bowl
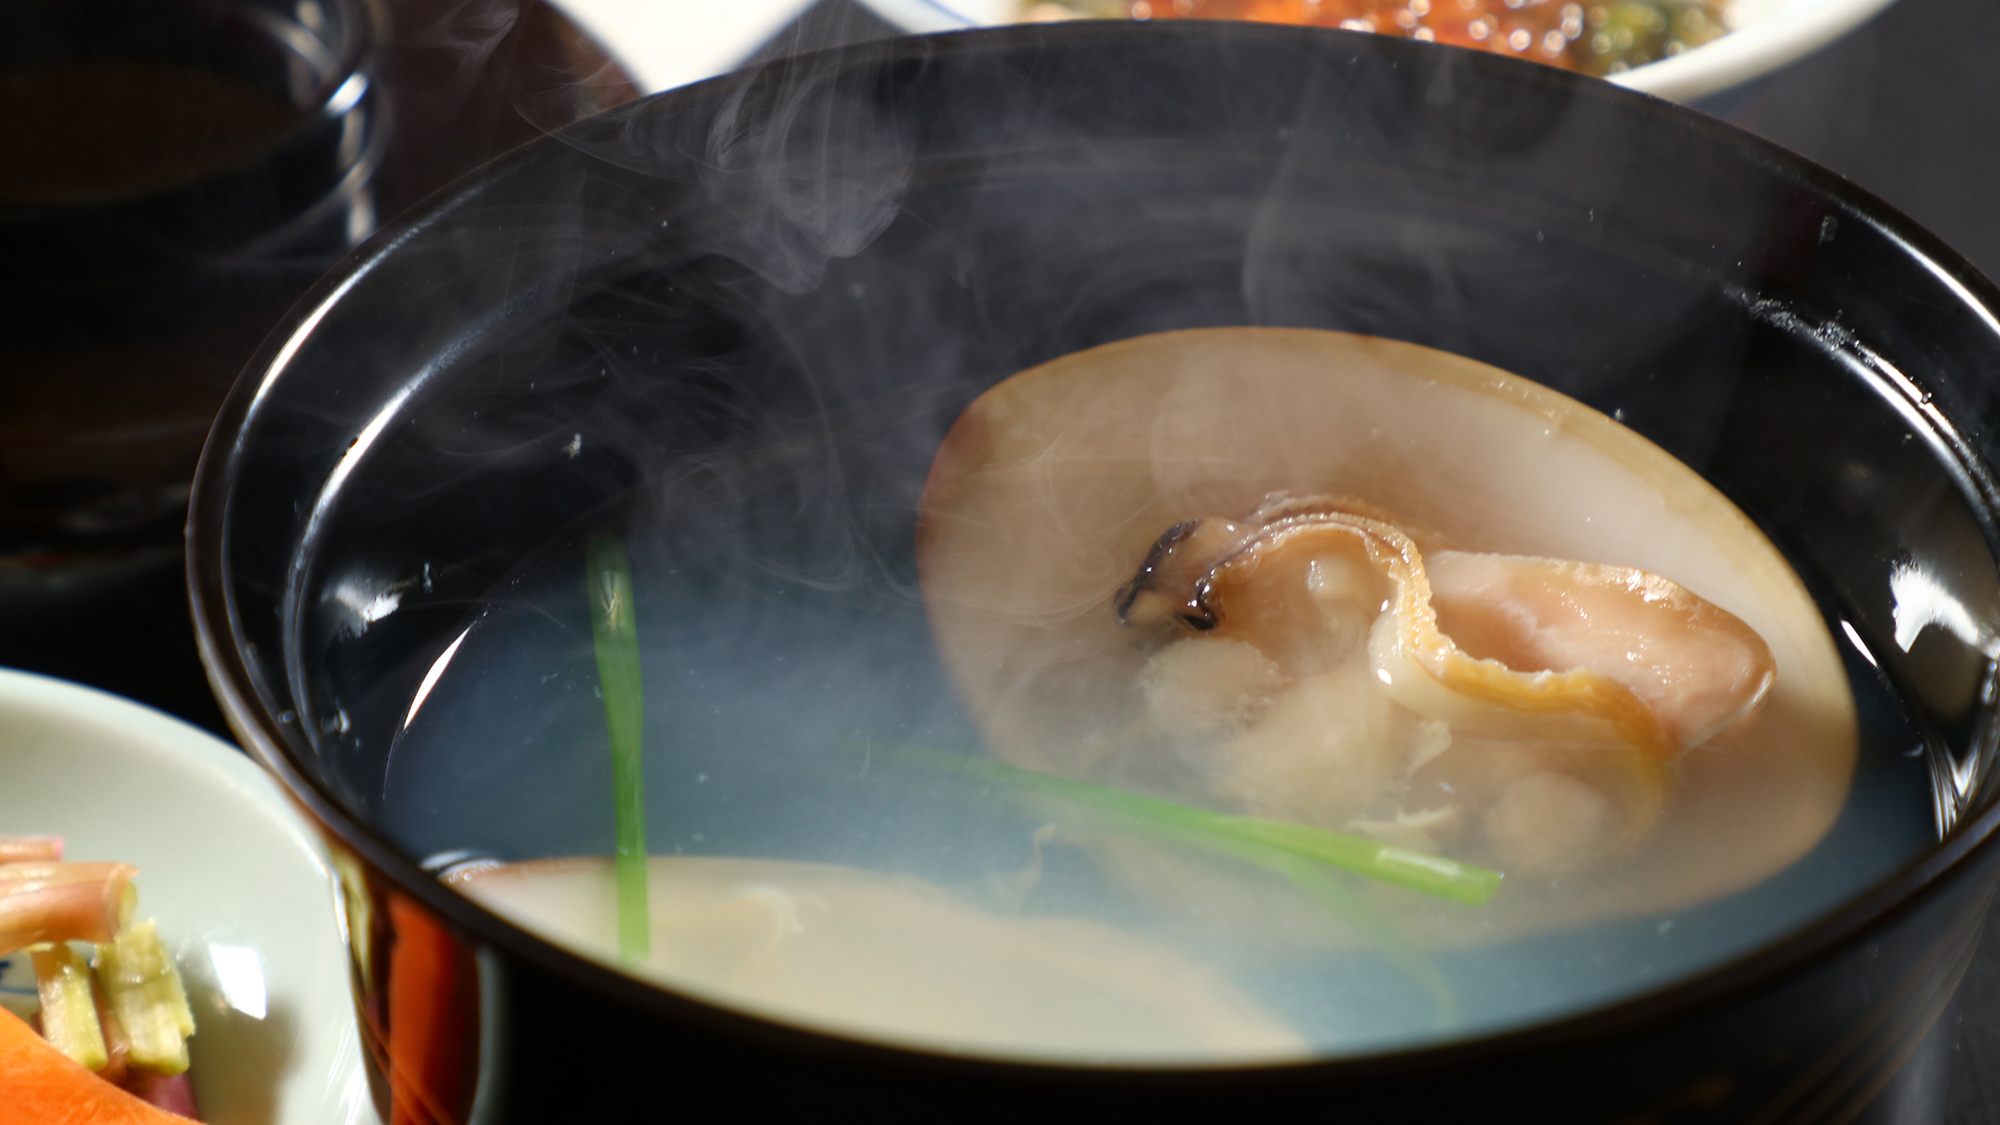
column 240, row 888
column 1765, row 35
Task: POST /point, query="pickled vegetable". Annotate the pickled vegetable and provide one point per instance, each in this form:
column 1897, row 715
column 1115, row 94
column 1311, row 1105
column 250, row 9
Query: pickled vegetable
column 145, row 992
column 69, row 1006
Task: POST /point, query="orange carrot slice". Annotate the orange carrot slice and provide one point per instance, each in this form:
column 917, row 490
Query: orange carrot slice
column 45, row 1088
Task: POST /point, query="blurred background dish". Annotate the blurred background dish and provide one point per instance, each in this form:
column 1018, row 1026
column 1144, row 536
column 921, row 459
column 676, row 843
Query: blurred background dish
column 1764, row 36
column 241, row 890
column 1676, row 47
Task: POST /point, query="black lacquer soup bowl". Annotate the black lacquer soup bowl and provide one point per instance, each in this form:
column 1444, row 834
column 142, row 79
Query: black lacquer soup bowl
column 729, row 328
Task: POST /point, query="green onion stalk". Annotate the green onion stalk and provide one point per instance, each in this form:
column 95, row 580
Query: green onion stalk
column 615, row 633
column 1298, row 853
column 1403, row 867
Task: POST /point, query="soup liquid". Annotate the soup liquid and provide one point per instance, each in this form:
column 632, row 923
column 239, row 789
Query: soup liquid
column 764, row 693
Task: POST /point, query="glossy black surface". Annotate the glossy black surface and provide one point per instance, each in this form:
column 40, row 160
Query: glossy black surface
column 875, row 237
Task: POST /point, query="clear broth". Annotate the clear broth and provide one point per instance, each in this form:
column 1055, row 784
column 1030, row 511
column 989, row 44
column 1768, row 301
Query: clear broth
column 763, row 690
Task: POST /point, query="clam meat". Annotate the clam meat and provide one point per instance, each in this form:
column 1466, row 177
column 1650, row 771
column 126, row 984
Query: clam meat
column 1377, row 588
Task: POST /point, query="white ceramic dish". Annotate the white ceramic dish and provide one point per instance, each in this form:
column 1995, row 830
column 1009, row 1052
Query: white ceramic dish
column 1765, row 35
column 667, row 43
column 240, row 888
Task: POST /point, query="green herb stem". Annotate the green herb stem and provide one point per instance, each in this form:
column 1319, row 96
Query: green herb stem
column 1294, row 852
column 615, row 633
column 1403, row 867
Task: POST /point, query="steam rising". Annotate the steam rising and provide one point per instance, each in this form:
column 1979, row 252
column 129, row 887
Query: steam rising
column 808, row 176
column 799, row 168
column 747, row 331
column 464, row 32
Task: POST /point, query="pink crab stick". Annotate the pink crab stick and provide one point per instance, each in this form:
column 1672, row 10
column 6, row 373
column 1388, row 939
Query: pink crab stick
column 62, row 902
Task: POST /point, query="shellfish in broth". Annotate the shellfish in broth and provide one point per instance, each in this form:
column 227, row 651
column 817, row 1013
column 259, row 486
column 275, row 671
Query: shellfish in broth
column 1376, row 588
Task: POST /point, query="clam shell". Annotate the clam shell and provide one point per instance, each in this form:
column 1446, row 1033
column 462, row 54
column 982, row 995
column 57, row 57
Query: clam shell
column 1054, row 484
column 892, row 959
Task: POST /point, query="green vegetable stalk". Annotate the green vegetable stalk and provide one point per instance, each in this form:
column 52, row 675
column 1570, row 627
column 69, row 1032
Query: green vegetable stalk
column 1418, row 871
column 1298, row 853
column 614, row 630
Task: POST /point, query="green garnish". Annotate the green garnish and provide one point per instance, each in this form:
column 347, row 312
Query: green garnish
column 615, row 632
column 1295, row 852
column 1404, row 867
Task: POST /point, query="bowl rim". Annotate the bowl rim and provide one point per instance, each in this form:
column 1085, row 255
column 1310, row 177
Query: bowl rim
column 276, row 744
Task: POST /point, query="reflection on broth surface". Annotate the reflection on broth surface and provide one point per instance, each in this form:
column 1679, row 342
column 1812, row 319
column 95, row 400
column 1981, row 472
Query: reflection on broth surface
column 1248, row 655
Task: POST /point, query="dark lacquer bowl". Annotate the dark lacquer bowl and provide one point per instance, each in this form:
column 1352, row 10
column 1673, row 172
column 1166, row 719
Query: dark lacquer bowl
column 745, row 314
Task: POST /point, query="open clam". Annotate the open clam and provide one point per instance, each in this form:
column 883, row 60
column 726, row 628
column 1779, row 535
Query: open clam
column 894, row 959
column 1378, row 588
